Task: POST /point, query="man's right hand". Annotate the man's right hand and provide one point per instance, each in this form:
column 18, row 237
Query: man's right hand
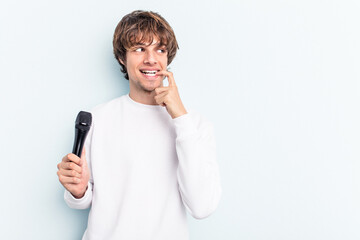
column 74, row 174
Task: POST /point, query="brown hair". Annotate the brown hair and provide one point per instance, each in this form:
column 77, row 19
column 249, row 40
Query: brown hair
column 142, row 27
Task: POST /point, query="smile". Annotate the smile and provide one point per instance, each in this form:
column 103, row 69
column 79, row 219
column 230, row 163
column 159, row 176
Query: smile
column 149, row 73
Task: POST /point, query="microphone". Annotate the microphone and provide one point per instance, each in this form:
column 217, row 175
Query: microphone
column 82, row 127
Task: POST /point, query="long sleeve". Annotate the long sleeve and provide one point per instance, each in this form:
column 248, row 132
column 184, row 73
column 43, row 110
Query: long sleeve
column 85, row 201
column 79, row 203
column 198, row 172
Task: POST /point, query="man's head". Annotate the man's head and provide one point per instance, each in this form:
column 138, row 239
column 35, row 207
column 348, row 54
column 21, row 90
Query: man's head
column 142, row 27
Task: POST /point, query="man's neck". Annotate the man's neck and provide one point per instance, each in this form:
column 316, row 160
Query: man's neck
column 144, row 97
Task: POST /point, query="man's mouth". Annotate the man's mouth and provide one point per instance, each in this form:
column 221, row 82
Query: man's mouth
column 150, row 73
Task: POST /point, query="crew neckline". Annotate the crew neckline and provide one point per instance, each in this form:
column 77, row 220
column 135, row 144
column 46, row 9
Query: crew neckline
column 142, row 105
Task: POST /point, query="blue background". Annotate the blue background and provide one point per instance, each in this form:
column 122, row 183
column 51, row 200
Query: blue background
column 279, row 80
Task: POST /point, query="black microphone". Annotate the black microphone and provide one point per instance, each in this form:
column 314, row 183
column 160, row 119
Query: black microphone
column 82, row 127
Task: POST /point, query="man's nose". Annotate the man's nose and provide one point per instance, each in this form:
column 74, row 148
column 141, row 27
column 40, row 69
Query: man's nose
column 150, row 58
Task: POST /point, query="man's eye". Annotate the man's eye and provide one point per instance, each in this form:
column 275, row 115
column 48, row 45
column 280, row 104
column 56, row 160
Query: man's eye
column 162, row 50
column 139, row 49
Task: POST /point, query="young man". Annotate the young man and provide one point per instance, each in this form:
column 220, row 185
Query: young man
column 146, row 158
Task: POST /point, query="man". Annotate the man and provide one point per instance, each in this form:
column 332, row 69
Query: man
column 146, row 158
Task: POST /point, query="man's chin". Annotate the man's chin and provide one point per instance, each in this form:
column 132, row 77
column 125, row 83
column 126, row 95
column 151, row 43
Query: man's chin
column 149, row 91
column 150, row 88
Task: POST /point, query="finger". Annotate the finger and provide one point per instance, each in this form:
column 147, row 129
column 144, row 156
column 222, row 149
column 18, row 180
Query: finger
column 70, row 166
column 69, row 173
column 160, row 102
column 169, row 76
column 84, row 166
column 65, row 180
column 83, row 157
column 161, row 89
column 160, row 98
column 71, row 158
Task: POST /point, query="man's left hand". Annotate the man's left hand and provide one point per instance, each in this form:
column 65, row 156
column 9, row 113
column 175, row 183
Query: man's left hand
column 169, row 96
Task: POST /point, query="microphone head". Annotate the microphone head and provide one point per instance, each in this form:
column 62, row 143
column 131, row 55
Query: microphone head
column 83, row 120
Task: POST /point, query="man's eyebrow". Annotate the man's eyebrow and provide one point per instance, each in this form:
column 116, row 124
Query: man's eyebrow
column 140, row 44
column 143, row 44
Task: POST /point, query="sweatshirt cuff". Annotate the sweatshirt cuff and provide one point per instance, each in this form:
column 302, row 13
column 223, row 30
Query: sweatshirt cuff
column 184, row 125
column 73, row 202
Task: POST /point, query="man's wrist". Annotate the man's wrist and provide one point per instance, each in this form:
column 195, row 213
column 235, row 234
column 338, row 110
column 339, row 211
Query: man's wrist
column 180, row 113
column 78, row 196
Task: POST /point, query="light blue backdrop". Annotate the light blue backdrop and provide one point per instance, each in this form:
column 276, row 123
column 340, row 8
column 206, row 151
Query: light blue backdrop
column 279, row 80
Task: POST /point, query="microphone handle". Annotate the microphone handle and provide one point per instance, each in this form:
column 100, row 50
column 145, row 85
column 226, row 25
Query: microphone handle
column 80, row 136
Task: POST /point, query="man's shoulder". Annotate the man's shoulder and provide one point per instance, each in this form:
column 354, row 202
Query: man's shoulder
column 108, row 108
column 109, row 105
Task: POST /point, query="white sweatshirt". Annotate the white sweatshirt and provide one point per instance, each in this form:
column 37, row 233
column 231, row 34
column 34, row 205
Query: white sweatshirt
column 146, row 169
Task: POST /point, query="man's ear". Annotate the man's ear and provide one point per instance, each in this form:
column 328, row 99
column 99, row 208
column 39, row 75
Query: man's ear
column 122, row 62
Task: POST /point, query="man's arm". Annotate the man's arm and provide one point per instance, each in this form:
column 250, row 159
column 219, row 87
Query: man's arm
column 198, row 172
column 75, row 175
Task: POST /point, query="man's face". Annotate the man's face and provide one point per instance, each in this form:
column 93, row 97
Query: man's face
column 142, row 64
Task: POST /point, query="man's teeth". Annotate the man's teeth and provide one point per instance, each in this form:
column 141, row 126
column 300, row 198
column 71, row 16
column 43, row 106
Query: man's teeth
column 151, row 73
